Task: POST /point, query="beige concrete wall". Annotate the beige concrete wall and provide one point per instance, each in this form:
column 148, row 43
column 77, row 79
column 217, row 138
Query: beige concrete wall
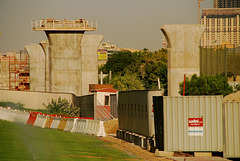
column 35, row 100
column 183, row 53
column 32, row 100
column 90, row 44
column 37, row 67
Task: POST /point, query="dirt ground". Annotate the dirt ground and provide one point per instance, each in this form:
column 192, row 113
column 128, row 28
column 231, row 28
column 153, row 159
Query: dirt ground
column 132, row 149
column 111, row 127
column 233, row 97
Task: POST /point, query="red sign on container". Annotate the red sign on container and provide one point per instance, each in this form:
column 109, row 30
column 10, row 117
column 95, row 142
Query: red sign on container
column 193, row 122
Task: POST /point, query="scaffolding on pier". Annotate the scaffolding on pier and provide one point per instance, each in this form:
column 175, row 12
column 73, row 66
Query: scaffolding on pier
column 19, row 72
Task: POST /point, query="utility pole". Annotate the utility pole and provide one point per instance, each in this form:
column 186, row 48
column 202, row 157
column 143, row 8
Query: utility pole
column 199, row 11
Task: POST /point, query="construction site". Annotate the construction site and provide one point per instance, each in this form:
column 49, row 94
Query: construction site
column 150, row 124
column 14, row 71
column 66, row 65
column 53, row 63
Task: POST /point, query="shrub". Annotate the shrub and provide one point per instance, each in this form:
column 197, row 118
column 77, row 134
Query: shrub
column 12, row 105
column 206, row 85
column 63, row 107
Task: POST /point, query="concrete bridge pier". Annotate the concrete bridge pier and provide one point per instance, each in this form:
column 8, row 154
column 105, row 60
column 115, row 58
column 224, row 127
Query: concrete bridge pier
column 37, row 67
column 44, row 44
column 65, row 58
column 183, row 53
column 68, row 61
column 64, row 66
column 73, row 61
column 90, row 44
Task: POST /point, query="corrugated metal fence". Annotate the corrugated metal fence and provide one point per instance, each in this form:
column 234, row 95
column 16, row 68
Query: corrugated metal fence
column 191, row 123
column 135, row 111
column 113, row 103
column 220, row 60
column 231, row 129
column 197, row 123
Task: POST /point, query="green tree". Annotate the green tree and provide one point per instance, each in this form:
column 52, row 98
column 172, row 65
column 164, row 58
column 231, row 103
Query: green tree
column 63, row 107
column 206, row 85
column 153, row 67
column 118, row 61
column 129, row 81
column 146, row 66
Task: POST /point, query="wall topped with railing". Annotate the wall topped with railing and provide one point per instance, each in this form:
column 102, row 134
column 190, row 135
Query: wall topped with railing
column 64, row 25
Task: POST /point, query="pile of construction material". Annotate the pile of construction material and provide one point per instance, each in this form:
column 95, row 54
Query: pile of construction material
column 233, row 97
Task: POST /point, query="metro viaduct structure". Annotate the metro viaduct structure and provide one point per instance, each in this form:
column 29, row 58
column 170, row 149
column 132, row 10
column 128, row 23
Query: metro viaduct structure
column 183, row 53
column 67, row 62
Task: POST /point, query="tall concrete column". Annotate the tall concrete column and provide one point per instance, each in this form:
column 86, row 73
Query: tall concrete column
column 183, row 53
column 45, row 46
column 65, row 56
column 37, row 67
column 90, row 44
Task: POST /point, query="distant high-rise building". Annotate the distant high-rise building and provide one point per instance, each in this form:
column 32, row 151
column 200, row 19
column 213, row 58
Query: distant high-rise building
column 226, row 3
column 222, row 26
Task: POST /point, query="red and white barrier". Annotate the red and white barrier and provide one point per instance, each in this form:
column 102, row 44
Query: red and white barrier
column 32, row 118
column 55, row 122
column 79, row 125
column 92, row 127
column 40, row 120
column 21, row 117
column 7, row 114
column 69, row 124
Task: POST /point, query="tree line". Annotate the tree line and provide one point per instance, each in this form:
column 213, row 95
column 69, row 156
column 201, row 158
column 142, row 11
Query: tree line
column 137, row 70
column 141, row 70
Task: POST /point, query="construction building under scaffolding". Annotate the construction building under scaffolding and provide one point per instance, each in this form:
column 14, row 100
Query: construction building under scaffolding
column 14, row 71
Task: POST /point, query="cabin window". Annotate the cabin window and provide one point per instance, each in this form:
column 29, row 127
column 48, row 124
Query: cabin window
column 107, row 100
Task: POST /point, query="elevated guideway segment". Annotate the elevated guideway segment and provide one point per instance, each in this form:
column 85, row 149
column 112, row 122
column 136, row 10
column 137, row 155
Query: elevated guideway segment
column 64, row 25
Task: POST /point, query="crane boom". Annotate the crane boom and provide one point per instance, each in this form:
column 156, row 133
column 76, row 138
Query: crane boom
column 199, row 11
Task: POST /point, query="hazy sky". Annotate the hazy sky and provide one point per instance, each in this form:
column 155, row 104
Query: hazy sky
column 127, row 23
